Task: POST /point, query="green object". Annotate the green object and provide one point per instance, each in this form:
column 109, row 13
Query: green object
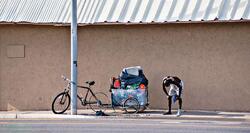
column 132, row 87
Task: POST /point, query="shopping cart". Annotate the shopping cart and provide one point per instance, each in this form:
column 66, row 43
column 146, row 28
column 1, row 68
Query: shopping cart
column 130, row 90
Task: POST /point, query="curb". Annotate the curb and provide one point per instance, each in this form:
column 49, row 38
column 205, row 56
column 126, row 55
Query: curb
column 52, row 116
column 63, row 116
column 174, row 117
column 8, row 116
column 220, row 116
column 189, row 118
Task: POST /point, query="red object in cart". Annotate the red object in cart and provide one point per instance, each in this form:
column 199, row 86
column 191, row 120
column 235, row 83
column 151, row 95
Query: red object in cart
column 117, row 83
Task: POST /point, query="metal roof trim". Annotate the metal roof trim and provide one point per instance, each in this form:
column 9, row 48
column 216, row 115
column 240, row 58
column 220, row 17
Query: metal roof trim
column 105, row 23
column 91, row 12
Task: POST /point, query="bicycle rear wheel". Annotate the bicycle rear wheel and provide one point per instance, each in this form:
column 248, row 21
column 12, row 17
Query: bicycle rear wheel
column 131, row 106
column 61, row 103
column 101, row 104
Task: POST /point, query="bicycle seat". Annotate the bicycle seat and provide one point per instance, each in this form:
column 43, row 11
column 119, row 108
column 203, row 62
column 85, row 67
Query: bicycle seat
column 90, row 82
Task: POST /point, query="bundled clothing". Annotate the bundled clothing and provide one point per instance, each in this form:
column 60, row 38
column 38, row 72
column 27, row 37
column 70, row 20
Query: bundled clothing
column 132, row 76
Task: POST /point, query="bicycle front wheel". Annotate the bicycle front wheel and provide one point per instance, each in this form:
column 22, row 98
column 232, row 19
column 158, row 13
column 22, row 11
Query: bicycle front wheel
column 101, row 103
column 61, row 103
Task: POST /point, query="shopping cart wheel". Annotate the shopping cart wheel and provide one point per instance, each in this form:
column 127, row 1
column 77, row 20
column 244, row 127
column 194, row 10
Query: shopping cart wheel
column 131, row 105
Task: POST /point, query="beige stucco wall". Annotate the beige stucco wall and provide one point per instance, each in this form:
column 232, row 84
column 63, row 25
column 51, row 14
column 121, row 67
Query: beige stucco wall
column 212, row 59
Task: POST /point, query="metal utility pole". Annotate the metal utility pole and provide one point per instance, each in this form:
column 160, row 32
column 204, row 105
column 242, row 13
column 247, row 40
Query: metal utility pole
column 74, row 57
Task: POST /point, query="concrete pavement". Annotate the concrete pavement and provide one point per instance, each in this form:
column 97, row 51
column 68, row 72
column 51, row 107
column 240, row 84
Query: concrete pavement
column 148, row 114
column 121, row 126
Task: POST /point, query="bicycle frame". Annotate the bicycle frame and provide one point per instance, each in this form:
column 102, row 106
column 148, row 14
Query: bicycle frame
column 83, row 99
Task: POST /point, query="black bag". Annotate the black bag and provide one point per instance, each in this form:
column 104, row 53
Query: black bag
column 129, row 79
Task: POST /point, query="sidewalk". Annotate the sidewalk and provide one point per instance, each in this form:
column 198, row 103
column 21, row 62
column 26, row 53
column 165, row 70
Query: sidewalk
column 148, row 114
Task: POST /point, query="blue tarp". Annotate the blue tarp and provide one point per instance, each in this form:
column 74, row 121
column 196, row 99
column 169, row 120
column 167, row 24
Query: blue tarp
column 120, row 95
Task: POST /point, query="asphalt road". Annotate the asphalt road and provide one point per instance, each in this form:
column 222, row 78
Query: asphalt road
column 122, row 126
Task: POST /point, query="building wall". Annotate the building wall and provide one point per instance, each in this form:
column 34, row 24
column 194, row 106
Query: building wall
column 212, row 59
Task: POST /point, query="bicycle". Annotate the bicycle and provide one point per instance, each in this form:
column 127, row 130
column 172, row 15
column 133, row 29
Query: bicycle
column 97, row 101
